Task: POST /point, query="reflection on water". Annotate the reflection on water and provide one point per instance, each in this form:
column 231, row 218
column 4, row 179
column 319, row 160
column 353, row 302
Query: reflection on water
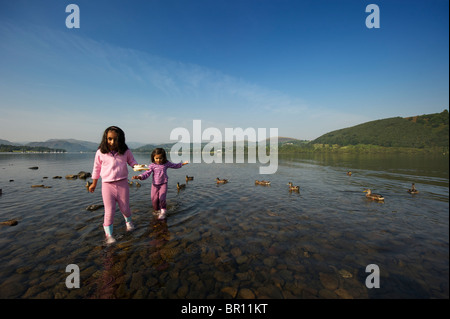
column 236, row 240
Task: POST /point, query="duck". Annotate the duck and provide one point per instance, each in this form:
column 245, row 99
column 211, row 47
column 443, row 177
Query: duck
column 12, row 222
column 265, row 183
column 137, row 184
column 181, row 186
column 373, row 196
column 413, row 189
column 189, row 178
column 293, row 188
column 349, row 173
column 221, row 181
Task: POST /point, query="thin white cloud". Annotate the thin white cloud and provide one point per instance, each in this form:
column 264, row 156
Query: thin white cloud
column 163, row 94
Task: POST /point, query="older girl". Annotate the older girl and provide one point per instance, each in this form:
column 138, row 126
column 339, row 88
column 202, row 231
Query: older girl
column 110, row 164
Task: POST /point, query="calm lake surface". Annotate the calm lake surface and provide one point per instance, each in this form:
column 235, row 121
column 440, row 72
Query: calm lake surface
column 237, row 240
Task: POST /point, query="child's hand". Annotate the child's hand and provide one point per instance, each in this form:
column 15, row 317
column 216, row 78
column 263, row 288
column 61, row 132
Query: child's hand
column 136, row 177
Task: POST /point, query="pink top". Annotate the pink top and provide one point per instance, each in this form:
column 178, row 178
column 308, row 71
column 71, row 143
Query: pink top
column 159, row 172
column 112, row 167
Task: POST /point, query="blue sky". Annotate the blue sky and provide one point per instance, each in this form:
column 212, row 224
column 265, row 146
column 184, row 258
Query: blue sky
column 304, row 67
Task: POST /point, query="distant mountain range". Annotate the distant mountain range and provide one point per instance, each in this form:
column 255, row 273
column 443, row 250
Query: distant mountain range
column 69, row 145
column 424, row 131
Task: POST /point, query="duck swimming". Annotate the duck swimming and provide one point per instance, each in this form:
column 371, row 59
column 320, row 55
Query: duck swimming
column 182, row 186
column 413, row 189
column 373, row 196
column 266, row 183
column 189, row 178
column 293, row 188
column 221, row 181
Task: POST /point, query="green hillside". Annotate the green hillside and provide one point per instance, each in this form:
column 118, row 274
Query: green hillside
column 425, row 131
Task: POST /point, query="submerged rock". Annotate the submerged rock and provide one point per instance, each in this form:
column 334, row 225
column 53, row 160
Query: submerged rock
column 83, row 175
column 94, row 207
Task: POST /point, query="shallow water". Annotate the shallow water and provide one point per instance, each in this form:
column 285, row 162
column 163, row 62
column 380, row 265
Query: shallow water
column 237, row 240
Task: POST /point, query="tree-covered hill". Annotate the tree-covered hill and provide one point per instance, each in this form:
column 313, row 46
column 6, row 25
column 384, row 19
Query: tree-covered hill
column 26, row 149
column 425, row 131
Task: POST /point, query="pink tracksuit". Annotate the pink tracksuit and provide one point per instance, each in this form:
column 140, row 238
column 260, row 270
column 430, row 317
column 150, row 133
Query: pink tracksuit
column 112, row 168
column 159, row 184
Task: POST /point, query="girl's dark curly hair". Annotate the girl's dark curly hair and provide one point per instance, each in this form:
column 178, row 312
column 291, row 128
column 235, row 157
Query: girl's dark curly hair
column 159, row 151
column 122, row 147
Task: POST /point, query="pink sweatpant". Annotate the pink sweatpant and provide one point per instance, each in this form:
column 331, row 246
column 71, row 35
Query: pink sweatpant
column 112, row 193
column 158, row 195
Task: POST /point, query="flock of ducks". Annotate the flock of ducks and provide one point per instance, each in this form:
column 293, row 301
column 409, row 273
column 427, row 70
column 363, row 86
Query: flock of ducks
column 373, row 196
column 369, row 195
column 380, row 198
column 292, row 188
column 183, row 186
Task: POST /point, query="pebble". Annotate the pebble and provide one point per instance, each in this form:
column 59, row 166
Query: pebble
column 232, row 291
column 246, row 293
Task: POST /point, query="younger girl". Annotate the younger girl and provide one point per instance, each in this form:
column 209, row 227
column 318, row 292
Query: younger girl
column 110, row 164
column 159, row 167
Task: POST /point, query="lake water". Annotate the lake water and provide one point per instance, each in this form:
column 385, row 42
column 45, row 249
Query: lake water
column 236, row 240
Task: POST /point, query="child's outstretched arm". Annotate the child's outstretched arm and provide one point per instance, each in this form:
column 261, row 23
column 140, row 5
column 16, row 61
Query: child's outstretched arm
column 185, row 163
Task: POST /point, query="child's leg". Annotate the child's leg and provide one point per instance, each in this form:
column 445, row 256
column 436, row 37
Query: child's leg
column 123, row 198
column 155, row 196
column 162, row 195
column 109, row 201
column 162, row 201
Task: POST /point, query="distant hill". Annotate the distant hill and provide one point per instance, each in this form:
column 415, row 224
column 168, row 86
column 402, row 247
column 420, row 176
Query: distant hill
column 416, row 132
column 424, row 131
column 5, row 142
column 150, row 147
column 70, row 145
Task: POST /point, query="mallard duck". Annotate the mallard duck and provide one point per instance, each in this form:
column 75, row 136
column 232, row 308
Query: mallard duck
column 265, row 183
column 181, row 186
column 293, row 188
column 11, row 222
column 221, row 181
column 413, row 189
column 373, row 196
column 189, row 178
